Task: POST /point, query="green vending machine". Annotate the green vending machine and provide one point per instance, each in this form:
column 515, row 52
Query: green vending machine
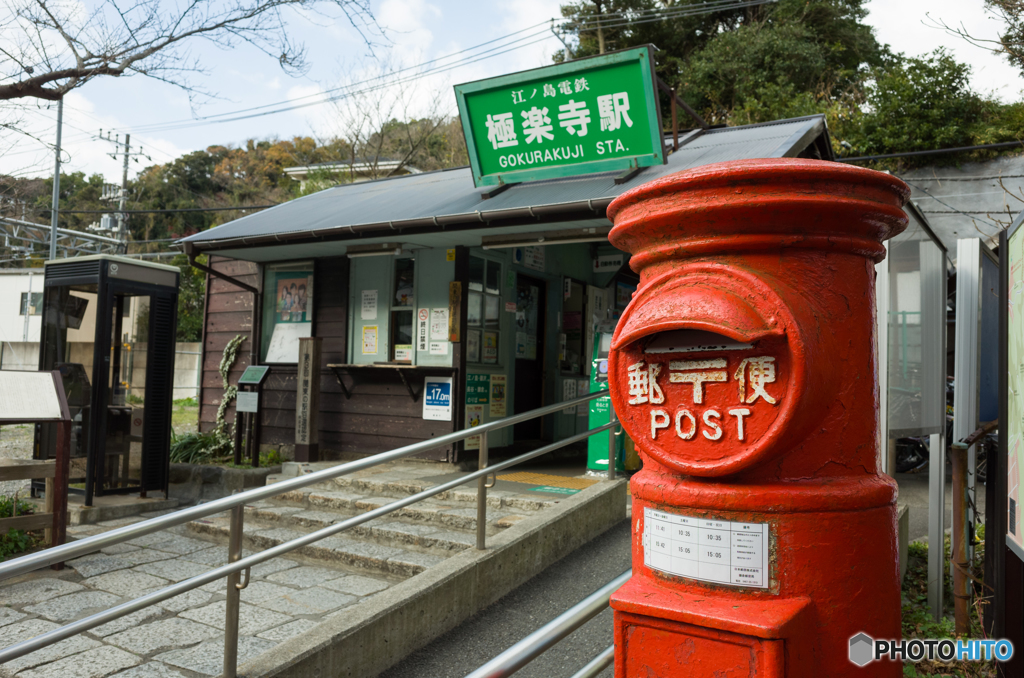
column 600, row 409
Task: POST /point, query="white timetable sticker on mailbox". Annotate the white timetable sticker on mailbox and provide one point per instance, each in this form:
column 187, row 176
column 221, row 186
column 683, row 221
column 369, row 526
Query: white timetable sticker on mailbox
column 716, row 551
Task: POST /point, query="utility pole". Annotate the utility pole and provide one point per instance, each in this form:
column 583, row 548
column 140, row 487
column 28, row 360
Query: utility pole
column 600, row 30
column 55, row 201
column 122, row 195
column 28, row 307
column 122, row 218
column 568, row 51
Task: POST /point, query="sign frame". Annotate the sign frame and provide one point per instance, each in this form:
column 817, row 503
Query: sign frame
column 645, row 53
column 247, row 401
column 1002, row 467
column 254, row 375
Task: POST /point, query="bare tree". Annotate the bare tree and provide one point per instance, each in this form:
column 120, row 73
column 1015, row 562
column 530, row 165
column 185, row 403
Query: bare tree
column 392, row 128
column 1010, row 43
column 49, row 47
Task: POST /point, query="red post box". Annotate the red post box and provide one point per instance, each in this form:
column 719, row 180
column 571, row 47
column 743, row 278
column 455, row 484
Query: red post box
column 764, row 531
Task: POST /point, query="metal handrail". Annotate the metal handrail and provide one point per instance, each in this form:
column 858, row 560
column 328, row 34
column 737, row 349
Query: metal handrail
column 541, row 640
column 597, row 664
column 237, row 501
column 82, row 547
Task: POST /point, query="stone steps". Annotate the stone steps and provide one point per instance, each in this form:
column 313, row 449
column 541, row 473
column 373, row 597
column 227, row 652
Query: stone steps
column 386, row 486
column 453, row 512
column 342, row 550
column 401, row 544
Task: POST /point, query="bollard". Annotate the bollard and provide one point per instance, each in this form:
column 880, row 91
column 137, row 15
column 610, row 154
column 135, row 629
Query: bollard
column 744, row 368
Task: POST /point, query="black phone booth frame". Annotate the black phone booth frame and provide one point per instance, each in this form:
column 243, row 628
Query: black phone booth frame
column 112, row 279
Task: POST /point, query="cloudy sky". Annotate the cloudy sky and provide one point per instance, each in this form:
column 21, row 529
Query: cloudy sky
column 162, row 118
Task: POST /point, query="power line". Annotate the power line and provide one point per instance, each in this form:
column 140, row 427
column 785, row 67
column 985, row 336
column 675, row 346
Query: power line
column 946, row 204
column 984, row 178
column 346, row 91
column 292, row 105
column 615, row 20
column 937, row 151
column 163, row 211
column 701, row 8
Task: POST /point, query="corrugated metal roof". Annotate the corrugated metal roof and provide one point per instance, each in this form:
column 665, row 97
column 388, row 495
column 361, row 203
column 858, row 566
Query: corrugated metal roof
column 449, row 196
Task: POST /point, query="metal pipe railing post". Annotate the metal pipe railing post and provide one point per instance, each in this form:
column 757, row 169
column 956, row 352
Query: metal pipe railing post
column 613, row 418
column 598, row 664
column 481, row 497
column 234, row 594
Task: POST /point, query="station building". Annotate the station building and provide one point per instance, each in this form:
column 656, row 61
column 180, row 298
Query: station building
column 369, row 267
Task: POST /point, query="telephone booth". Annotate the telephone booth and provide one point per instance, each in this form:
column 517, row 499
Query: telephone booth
column 109, row 326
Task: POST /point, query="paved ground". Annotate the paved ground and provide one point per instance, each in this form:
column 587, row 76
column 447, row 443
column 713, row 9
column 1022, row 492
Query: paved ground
column 914, row 493
column 183, row 636
column 525, row 610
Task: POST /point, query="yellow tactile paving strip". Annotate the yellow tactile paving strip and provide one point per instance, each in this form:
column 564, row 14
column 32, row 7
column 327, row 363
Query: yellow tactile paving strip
column 551, row 481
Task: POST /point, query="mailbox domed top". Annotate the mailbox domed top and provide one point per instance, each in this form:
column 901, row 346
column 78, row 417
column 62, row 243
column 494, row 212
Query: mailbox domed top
column 747, row 205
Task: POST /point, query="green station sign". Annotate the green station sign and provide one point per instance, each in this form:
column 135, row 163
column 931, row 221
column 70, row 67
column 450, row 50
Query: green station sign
column 597, row 114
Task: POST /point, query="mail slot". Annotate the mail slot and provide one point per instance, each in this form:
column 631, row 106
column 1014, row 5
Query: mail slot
column 744, row 368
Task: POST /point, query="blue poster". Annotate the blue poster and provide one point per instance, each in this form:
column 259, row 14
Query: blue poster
column 437, row 398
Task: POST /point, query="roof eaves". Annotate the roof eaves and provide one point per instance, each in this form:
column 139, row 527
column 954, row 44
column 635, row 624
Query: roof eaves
column 595, row 205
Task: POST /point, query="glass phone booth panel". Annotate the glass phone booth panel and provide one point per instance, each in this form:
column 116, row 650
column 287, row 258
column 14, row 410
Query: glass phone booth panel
column 109, row 327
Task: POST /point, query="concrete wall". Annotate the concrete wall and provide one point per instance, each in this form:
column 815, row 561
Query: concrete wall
column 22, row 356
column 12, row 323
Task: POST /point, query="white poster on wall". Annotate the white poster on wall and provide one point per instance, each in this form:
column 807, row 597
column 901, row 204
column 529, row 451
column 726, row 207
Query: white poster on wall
column 284, row 342
column 422, row 321
column 438, row 324
column 439, row 348
column 368, row 310
column 569, row 393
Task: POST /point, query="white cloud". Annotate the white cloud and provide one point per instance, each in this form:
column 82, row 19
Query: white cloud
column 406, row 23
column 82, row 150
column 905, row 26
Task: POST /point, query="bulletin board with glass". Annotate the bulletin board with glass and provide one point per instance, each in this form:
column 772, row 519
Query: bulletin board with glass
column 287, row 310
column 484, row 311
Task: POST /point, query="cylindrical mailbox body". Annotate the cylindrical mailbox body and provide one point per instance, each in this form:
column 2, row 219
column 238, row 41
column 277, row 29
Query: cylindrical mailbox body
column 764, row 532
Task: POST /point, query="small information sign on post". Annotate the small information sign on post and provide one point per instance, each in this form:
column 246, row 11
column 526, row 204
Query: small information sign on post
column 307, row 401
column 250, row 402
column 597, row 114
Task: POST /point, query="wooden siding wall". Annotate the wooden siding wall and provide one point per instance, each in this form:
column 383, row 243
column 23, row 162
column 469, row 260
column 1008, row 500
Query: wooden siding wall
column 228, row 314
column 379, row 416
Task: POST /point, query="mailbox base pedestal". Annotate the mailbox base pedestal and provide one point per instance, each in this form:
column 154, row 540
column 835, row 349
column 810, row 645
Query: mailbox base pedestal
column 692, row 637
column 832, row 573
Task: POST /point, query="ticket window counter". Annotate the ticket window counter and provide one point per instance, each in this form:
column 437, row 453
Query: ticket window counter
column 109, row 326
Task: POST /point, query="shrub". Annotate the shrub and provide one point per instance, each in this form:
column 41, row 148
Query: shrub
column 199, row 448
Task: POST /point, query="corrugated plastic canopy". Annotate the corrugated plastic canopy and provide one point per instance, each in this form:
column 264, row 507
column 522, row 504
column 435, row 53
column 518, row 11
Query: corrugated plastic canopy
column 434, row 201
